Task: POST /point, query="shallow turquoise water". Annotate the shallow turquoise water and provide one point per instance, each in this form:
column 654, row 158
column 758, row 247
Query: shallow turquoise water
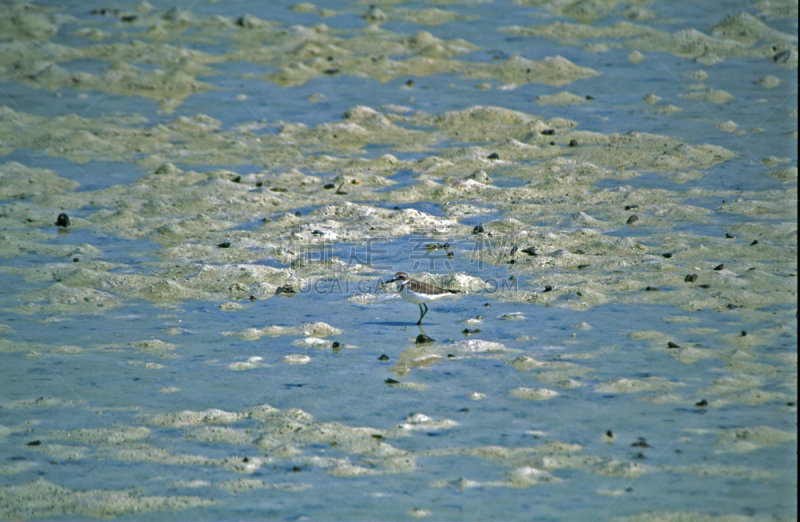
column 349, row 387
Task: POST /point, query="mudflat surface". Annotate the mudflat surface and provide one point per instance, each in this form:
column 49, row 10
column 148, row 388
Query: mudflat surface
column 206, row 334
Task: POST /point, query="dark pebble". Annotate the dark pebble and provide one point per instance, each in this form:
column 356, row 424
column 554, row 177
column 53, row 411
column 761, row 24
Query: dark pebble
column 259, row 183
column 783, row 56
column 703, row 286
column 691, row 278
column 75, row 260
column 297, row 214
column 237, row 179
column 729, row 236
column 34, row 443
column 754, row 243
column 335, row 344
column 641, row 443
column 549, row 132
column 633, row 219
column 477, row 229
column 744, row 333
column 609, row 433
column 548, row 288
column 581, row 267
column 383, row 357
column 62, row 220
column 493, row 156
column 701, row 404
column 719, row 266
column 673, row 345
column 377, row 436
column 589, row 97
column 389, row 380
column 331, row 71
column 531, row 251
column 651, row 289
column 252, row 298
column 573, row 143
column 668, row 255
column 487, row 305
column 513, row 261
column 422, row 339
column 328, row 186
column 277, row 189
column 552, row 143
column 464, row 410
column 631, row 207
column 410, row 83
column 225, row 244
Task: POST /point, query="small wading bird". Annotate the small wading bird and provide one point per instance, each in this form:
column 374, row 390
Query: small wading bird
column 420, row 293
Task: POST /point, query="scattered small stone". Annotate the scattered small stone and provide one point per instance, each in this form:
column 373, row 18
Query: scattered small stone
column 336, row 344
column 383, row 357
column 589, row 97
column 409, row 83
column 286, row 290
column 277, row 189
column 691, row 278
column 573, row 143
column 252, row 298
column 641, row 443
column 651, row 289
column 486, row 305
column 75, row 260
column 719, row 266
column 703, row 286
column 377, row 436
column 744, row 333
column 259, row 183
column 668, row 255
column 478, row 229
column 581, row 267
column 34, row 443
column 549, row 132
column 467, row 331
column 224, row 244
column 701, row 404
column 631, row 207
column 493, row 156
column 62, row 220
column 548, row 288
column 633, row 219
column 531, row 251
column 237, row 179
column 754, row 243
column 610, row 434
column 672, row 345
column 422, row 339
column 464, row 410
column 389, row 380
column 729, row 236
column 328, row 186
column 511, row 262
column 297, row 214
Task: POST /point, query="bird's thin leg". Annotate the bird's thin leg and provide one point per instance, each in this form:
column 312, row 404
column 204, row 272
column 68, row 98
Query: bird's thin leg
column 422, row 312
